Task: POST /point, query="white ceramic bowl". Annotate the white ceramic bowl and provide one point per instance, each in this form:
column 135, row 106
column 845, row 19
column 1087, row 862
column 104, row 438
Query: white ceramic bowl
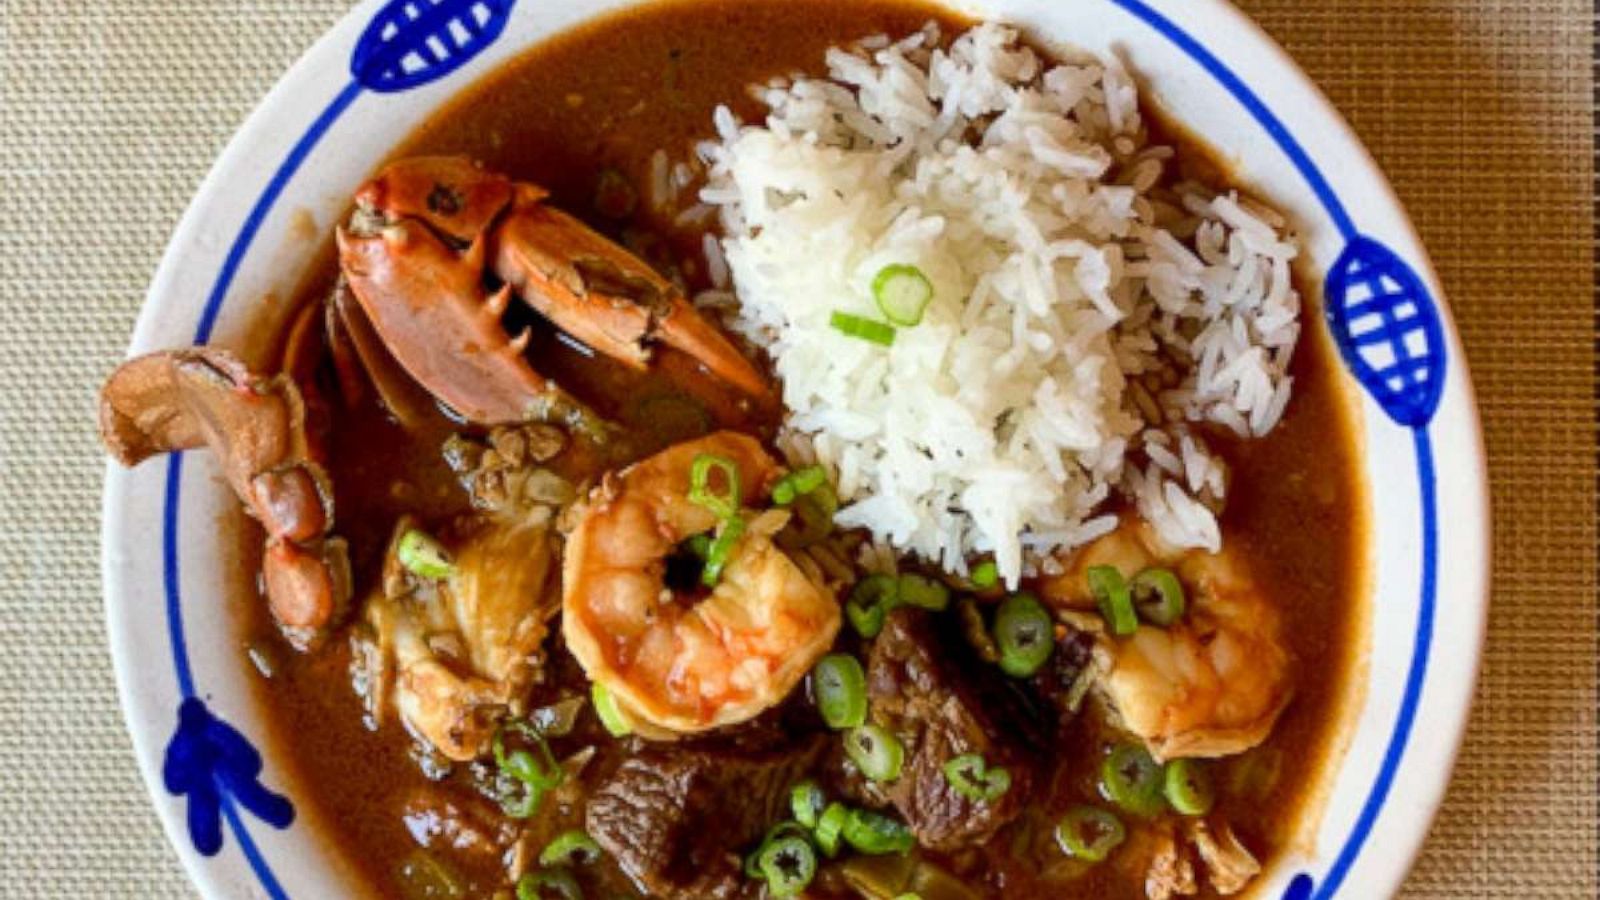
column 342, row 108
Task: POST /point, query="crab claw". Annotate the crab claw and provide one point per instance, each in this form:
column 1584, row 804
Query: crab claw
column 203, row 397
column 453, row 194
column 605, row 296
column 428, row 305
column 583, row 283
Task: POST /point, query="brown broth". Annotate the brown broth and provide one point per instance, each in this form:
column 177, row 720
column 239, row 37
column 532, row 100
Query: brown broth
column 608, row 96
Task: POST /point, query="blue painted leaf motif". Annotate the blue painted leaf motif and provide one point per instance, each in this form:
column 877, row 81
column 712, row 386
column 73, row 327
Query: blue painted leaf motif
column 1299, row 888
column 208, row 760
column 412, row 42
column 1387, row 329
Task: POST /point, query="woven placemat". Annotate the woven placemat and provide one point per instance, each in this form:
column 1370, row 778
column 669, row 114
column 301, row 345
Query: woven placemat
column 1481, row 112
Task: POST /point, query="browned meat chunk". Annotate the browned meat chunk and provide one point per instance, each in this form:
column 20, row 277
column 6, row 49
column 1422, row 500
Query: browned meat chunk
column 931, row 690
column 676, row 820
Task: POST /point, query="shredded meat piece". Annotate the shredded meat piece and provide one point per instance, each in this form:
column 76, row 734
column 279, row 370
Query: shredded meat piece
column 1229, row 866
column 1171, row 872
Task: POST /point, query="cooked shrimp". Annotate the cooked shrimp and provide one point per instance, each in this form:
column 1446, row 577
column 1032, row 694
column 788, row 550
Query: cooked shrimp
column 1209, row 685
column 673, row 662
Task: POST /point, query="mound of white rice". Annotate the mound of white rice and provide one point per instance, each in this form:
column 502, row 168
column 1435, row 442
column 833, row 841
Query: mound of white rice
column 1087, row 305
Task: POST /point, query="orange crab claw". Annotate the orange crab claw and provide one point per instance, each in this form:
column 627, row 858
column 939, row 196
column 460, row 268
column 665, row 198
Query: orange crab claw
column 453, row 194
column 605, row 296
column 429, row 307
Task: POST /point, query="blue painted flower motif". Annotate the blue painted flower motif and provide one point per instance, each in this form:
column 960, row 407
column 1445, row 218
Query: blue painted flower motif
column 208, row 761
column 412, row 42
column 1387, row 329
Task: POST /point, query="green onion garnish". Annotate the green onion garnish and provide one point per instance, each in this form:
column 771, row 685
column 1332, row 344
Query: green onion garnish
column 573, row 847
column 985, row 575
column 1157, row 596
column 1131, row 779
column 545, row 883
column 876, row 834
column 922, row 591
column 1024, row 634
column 877, row 753
column 605, row 706
column 752, row 862
column 1187, row 786
column 806, row 801
column 863, row 328
column 798, row 483
column 536, row 770
column 698, row 546
column 721, row 550
column 787, row 864
column 723, row 502
column 870, row 600
column 841, row 690
column 973, row 778
column 830, row 827
column 423, row 556
column 1111, row 592
column 1089, row 833
column 902, row 293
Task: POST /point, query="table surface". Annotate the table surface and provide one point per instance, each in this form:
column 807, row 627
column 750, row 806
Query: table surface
column 1480, row 110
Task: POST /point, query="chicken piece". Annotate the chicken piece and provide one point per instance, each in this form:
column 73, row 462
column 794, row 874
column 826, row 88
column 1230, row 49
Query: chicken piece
column 1229, row 866
column 454, row 655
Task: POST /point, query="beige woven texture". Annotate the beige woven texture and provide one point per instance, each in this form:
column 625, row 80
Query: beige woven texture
column 110, row 113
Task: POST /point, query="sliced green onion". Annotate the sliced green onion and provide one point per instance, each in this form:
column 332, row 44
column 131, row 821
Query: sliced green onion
column 570, row 848
column 863, row 328
column 1090, row 833
column 973, row 778
column 841, row 690
column 536, row 775
column 798, row 483
column 867, row 621
column 1187, row 786
column 876, row 752
column 1111, row 592
column 870, row 601
column 1024, row 633
column 830, row 827
column 698, row 546
column 876, row 834
column 787, row 864
column 423, row 556
column 605, row 706
column 752, row 862
column 721, row 551
column 752, row 866
column 922, row 591
column 908, row 895
column 543, row 883
column 1158, row 596
column 1132, row 780
column 724, row 503
column 902, row 293
column 806, row 801
column 985, row 575
column 812, row 518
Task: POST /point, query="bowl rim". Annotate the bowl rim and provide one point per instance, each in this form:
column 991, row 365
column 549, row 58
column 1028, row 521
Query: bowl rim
column 1451, row 710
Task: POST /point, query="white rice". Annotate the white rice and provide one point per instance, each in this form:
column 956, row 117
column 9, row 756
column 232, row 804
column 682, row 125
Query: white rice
column 1086, row 308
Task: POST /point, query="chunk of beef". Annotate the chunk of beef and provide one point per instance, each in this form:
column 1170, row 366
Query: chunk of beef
column 676, row 819
column 925, row 684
